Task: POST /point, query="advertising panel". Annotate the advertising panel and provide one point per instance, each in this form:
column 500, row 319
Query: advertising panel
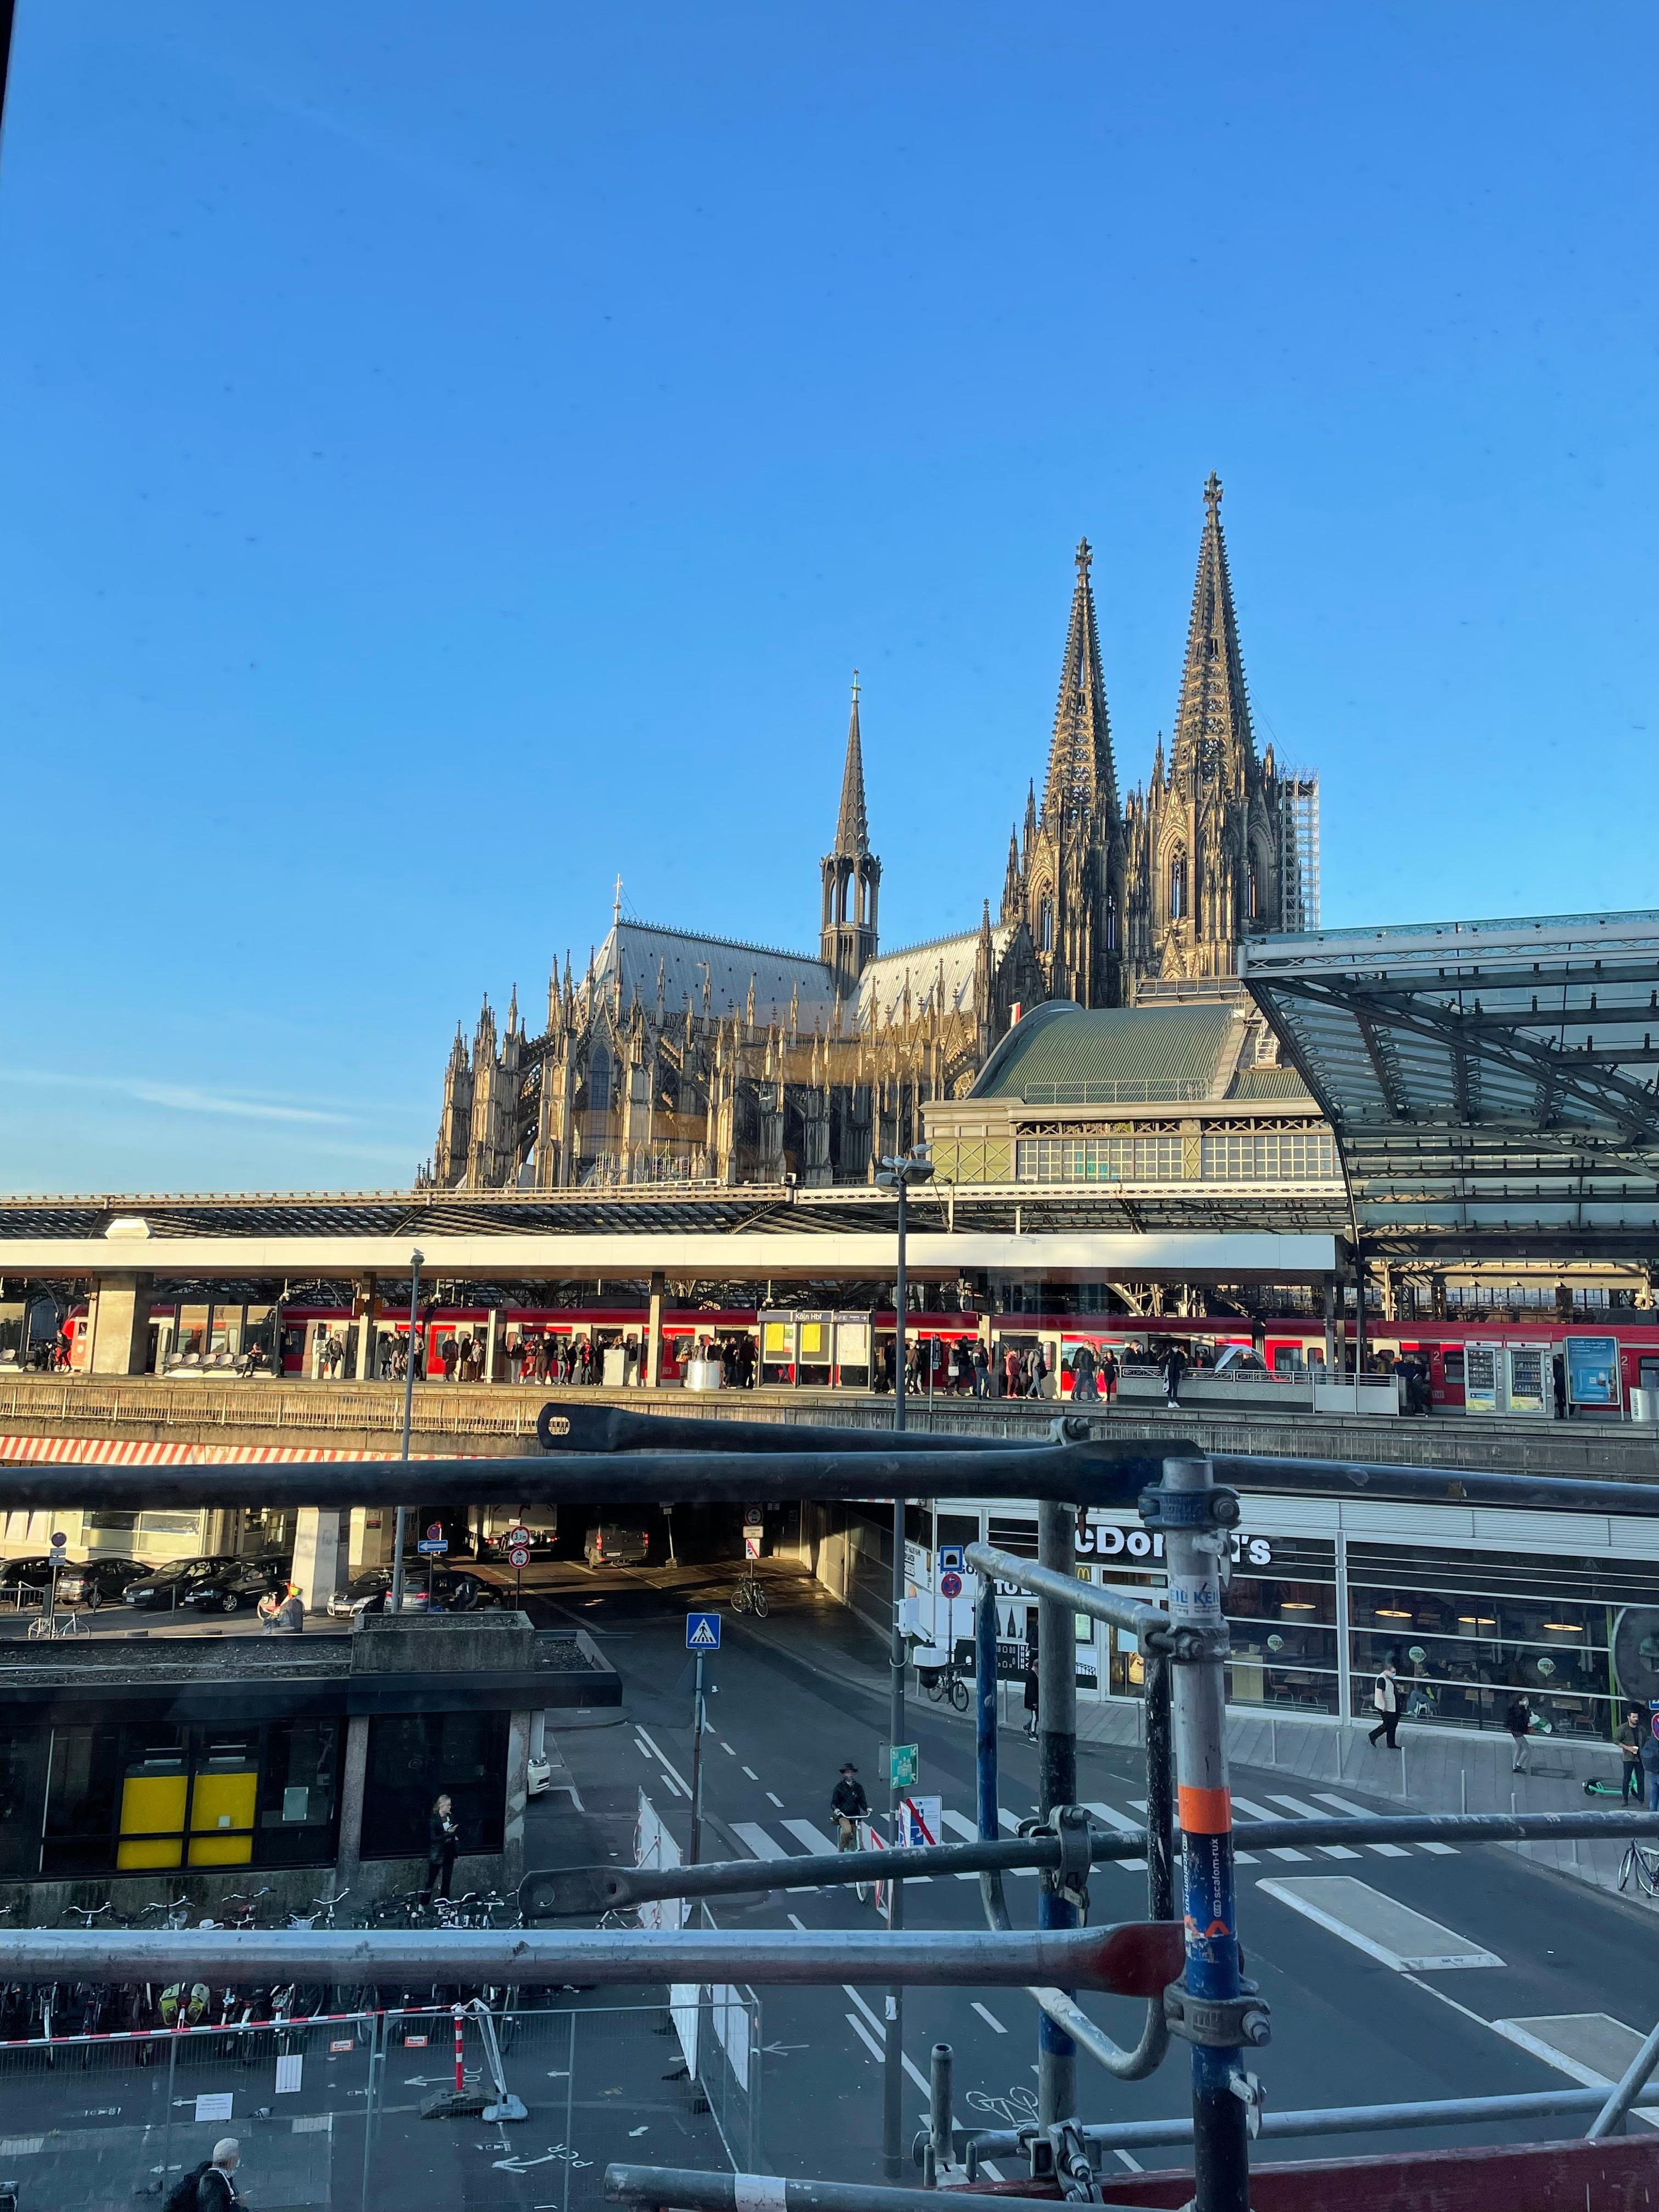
column 1593, row 1370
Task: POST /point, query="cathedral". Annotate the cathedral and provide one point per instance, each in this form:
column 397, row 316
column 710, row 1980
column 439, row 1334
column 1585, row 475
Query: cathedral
column 676, row 1057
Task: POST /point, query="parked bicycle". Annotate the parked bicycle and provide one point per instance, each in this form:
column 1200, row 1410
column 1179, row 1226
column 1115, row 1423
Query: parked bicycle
column 945, row 1687
column 1643, row 1866
column 749, row 1595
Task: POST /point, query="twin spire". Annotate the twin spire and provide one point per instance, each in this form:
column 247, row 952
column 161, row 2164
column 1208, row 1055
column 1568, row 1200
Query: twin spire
column 1213, row 730
column 1212, row 717
column 1081, row 779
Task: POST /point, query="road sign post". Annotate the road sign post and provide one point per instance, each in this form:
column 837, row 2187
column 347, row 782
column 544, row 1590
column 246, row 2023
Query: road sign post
column 702, row 1636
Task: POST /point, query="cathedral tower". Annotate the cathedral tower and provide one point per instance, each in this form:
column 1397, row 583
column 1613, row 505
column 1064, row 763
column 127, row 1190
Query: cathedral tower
column 1204, row 840
column 1068, row 885
column 852, row 875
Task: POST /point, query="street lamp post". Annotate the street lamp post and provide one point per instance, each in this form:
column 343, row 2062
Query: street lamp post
column 415, row 1259
column 898, row 1175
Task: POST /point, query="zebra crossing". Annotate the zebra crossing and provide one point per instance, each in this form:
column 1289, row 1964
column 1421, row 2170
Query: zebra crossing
column 801, row 1837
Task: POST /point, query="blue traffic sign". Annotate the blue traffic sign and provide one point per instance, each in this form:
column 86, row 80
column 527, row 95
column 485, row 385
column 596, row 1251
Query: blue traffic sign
column 702, row 1632
column 432, row 1544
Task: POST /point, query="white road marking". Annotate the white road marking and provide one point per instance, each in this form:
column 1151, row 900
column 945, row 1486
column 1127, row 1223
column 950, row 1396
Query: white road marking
column 673, row 1786
column 725, row 1746
column 778, row 1802
column 1590, row 2048
column 805, row 1832
column 1108, row 1818
column 1346, row 1805
column 1306, row 1811
column 1254, row 1812
column 750, row 1772
column 763, row 1847
column 1131, row 2161
column 989, row 2018
column 864, row 2037
column 662, row 1759
column 879, row 2047
column 959, row 1824
column 985, row 2165
column 1378, row 1925
column 795, row 1921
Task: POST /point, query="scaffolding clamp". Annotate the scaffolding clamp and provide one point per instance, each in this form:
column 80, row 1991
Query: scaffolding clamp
column 1163, row 1509
column 1217, row 2023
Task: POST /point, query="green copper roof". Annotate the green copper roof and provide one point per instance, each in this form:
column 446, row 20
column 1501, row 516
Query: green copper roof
column 1060, row 1055
column 1268, row 1083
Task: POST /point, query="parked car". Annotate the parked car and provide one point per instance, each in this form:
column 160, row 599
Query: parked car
column 167, row 1587
column 92, row 1582
column 34, row 1573
column 613, row 1544
column 537, row 1776
column 453, row 1590
column 238, row 1584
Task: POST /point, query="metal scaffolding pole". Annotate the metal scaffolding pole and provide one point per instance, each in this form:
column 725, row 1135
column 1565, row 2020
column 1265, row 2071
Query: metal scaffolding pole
column 1056, row 1782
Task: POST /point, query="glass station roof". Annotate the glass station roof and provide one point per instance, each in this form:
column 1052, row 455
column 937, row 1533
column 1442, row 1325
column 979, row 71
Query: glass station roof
column 1492, row 1084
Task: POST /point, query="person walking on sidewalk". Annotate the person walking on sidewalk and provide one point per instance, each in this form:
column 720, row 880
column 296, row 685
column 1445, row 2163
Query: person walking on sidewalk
column 1629, row 1739
column 1385, row 1696
column 1518, row 1720
column 216, row 2190
column 1031, row 1697
column 1650, row 1768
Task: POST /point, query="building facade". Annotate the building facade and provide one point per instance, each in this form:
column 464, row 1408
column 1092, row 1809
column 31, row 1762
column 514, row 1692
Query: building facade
column 679, row 1057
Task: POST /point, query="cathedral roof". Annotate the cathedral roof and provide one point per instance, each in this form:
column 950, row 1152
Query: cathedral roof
column 632, row 951
column 881, row 987
column 1061, row 1055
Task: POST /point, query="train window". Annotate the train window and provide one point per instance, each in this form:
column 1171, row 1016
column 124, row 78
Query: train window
column 1452, row 1360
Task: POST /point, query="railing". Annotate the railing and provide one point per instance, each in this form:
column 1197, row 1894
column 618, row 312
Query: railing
column 1123, row 1092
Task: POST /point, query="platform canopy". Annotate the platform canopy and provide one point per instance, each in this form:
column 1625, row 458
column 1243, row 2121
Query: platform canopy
column 1492, row 1084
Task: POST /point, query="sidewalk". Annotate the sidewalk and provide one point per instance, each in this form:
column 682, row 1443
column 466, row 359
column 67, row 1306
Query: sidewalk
column 1434, row 1771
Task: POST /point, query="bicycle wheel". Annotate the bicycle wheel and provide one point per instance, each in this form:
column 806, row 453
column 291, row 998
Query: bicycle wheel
column 1647, row 1869
column 1627, row 1866
column 758, row 1601
column 958, row 1693
column 934, row 1686
column 861, row 1891
column 740, row 1598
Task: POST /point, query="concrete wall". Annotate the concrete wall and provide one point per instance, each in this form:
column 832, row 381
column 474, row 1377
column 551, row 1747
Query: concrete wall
column 119, row 1321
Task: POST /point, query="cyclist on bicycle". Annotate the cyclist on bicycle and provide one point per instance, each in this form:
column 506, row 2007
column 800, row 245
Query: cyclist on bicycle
column 848, row 1805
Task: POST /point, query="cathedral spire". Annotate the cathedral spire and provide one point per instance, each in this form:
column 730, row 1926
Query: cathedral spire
column 1212, row 733
column 1010, row 881
column 1081, row 779
column 851, row 828
column 851, row 874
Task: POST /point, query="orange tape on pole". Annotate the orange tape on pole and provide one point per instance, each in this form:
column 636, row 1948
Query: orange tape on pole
column 1204, row 1812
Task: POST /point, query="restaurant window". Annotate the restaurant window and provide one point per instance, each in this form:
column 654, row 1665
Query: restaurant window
column 412, row 1757
column 1469, row 1631
column 1281, row 1624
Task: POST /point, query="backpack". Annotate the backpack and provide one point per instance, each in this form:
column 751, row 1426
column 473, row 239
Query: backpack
column 181, row 2197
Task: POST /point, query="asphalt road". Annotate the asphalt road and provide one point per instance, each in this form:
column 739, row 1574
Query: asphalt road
column 1348, row 2027
column 1571, row 1967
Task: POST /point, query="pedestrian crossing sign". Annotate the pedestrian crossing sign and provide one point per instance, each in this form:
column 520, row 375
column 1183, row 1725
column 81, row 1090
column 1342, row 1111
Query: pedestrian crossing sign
column 702, row 1632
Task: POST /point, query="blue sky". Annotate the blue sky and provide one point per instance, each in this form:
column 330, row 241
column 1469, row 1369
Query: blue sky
column 451, row 456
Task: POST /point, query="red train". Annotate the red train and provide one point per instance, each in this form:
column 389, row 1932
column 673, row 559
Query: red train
column 1505, row 1366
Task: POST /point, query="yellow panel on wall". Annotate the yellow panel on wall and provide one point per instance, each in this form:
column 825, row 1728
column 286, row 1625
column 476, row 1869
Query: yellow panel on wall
column 223, row 1803
column 151, row 1802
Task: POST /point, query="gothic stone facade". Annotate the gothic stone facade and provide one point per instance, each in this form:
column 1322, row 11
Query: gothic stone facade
column 678, row 1056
